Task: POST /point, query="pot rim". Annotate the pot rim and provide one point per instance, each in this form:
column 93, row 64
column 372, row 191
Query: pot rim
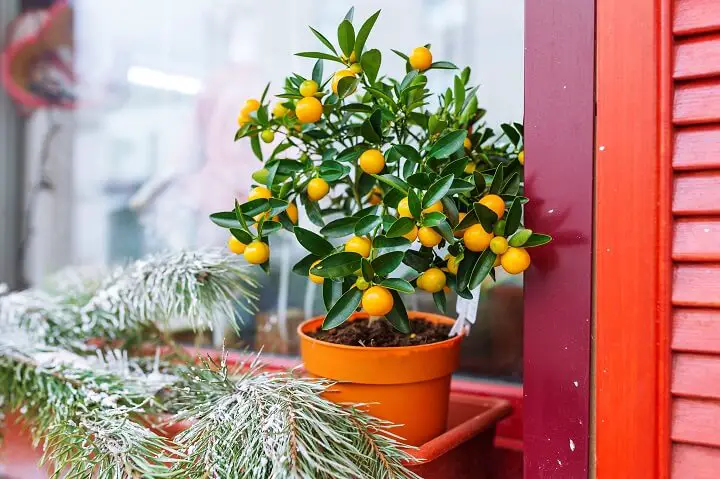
column 412, row 315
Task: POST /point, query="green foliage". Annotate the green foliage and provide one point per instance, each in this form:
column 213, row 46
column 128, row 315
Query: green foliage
column 436, row 147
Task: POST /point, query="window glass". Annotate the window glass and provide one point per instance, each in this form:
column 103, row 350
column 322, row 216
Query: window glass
column 150, row 152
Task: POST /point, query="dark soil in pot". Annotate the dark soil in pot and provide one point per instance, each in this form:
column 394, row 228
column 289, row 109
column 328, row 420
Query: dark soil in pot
column 379, row 333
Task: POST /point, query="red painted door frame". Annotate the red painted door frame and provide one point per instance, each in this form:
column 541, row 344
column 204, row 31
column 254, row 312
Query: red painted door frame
column 559, row 136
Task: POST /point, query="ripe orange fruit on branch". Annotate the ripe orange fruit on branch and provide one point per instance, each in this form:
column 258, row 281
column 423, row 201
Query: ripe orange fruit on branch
column 377, row 301
column 498, row 245
column 317, row 188
column 521, row 157
column 308, row 88
column 515, row 260
column 412, row 234
column 372, row 161
column 403, row 208
column 279, row 110
column 437, row 206
column 477, row 239
column 360, row 245
column 267, row 136
column 429, row 237
column 452, row 264
column 375, row 196
column 313, row 277
column 420, row 58
column 292, row 213
column 467, row 143
column 339, row 75
column 309, row 110
column 495, row 203
column 235, row 245
column 432, row 280
column 257, row 252
column 259, row 192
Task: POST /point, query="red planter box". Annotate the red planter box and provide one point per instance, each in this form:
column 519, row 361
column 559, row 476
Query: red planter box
column 464, row 451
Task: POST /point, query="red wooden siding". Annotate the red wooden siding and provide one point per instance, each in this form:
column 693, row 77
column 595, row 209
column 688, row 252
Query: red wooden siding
column 695, row 382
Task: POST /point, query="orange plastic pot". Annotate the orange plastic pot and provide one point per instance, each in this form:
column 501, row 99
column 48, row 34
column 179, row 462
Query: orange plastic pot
column 407, row 385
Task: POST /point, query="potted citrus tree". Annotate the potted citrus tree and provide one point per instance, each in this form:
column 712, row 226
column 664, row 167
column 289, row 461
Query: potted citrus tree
column 408, row 190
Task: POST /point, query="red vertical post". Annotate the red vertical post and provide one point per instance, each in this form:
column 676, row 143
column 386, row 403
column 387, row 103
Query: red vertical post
column 559, row 145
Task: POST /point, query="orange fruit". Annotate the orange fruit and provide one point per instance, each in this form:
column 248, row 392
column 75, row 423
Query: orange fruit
column 313, row 277
column 437, row 206
column 477, row 239
column 403, row 208
column 360, row 245
column 495, row 203
column 377, row 301
column 420, row 58
column 375, row 196
column 467, row 143
column 498, row 245
column 521, row 157
column 515, row 260
column 452, row 264
column 339, row 75
column 317, row 188
column 257, row 252
column 279, row 110
column 243, row 117
column 372, row 161
column 251, row 105
column 469, row 168
column 267, row 136
column 235, row 245
column 361, row 284
column 292, row 213
column 433, row 280
column 459, row 233
column 429, row 237
column 497, row 261
column 356, row 68
column 309, row 110
column 259, row 192
column 308, row 88
column 412, row 234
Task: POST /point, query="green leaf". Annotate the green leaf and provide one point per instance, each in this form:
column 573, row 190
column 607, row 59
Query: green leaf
column 440, row 301
column 395, row 182
column 420, row 180
column 445, row 231
column 337, row 265
column 482, row 268
column 371, row 128
column 498, row 179
column 437, row 190
column 398, row 314
column 398, row 285
column 409, row 152
column 387, row 263
column 486, row 216
column 255, row 207
column 346, row 37
column 385, row 245
column 479, row 182
column 340, row 227
column 460, row 186
column 343, row 308
column 465, row 269
column 243, row 236
column 511, row 133
column 402, row 226
column 459, row 91
column 520, row 238
column 450, row 210
column 366, row 224
column 400, row 54
column 313, row 210
column 332, row 170
column 313, row 242
column 332, row 292
column 269, row 227
column 317, row 72
column 277, row 206
column 513, row 218
column 414, row 204
column 442, row 66
column 364, row 33
column 433, row 219
column 409, row 77
column 367, row 270
column 255, row 145
column 319, row 55
column 370, row 63
column 356, row 107
column 302, row 267
column 537, row 239
column 416, row 260
column 369, row 210
column 347, row 86
column 226, row 219
column 511, row 186
column 469, row 220
column 325, row 42
column 448, row 144
column 349, row 15
column 456, row 167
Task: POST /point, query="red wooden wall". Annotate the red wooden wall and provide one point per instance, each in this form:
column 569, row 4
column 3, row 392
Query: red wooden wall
column 695, row 383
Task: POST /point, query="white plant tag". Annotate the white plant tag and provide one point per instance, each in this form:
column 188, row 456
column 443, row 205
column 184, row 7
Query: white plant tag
column 467, row 313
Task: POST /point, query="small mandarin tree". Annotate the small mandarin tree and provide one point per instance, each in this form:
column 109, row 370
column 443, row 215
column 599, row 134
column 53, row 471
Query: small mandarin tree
column 398, row 172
